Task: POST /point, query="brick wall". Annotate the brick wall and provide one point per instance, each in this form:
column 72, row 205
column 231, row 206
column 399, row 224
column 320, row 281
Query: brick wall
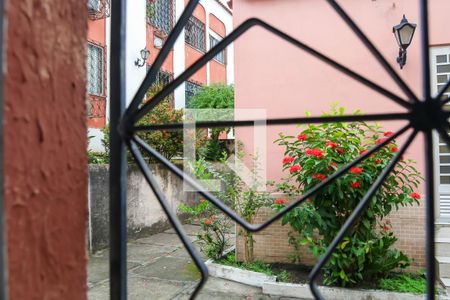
column 271, row 244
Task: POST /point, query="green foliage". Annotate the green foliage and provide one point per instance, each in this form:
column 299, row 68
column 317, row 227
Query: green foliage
column 212, row 237
column 245, row 200
column 168, row 143
column 215, row 96
column 366, row 252
column 255, row 266
column 96, row 157
column 284, row 276
column 404, row 283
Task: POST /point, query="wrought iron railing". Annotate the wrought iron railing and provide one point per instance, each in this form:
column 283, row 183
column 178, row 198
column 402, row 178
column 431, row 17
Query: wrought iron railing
column 424, row 114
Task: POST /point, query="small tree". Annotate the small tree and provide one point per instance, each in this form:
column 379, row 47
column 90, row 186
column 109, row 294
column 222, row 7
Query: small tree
column 243, row 199
column 366, row 252
column 215, row 96
column 168, row 143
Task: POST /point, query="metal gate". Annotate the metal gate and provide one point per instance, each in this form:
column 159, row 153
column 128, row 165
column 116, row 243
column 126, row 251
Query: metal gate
column 425, row 114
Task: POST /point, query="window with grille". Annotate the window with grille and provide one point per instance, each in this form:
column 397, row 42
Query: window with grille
column 95, row 61
column 191, row 89
column 195, row 34
column 440, row 69
column 160, row 14
column 220, row 57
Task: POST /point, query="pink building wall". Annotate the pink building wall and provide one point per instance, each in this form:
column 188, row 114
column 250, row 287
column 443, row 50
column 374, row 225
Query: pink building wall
column 274, row 75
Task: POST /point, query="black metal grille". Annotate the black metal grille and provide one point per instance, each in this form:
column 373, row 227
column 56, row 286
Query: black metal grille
column 195, row 33
column 160, row 13
column 95, row 67
column 191, row 89
column 220, row 57
column 424, row 114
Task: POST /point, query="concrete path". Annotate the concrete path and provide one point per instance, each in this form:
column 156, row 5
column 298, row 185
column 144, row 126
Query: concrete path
column 160, row 268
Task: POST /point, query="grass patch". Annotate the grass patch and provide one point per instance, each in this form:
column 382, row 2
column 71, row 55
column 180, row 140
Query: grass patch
column 403, row 283
column 256, row 266
column 395, row 282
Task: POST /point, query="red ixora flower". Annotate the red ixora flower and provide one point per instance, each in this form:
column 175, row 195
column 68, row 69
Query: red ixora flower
column 356, row 170
column 379, row 141
column 314, row 152
column 295, row 168
column 356, row 184
column 415, row 195
column 319, row 176
column 340, row 150
column 330, row 144
column 207, row 222
column 386, row 228
column 288, row 159
column 280, row 201
column 388, row 133
column 213, row 217
column 302, row 137
column 394, row 149
column 378, row 161
column 362, row 152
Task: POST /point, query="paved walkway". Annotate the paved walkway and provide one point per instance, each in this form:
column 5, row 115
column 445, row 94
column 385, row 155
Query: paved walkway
column 160, row 268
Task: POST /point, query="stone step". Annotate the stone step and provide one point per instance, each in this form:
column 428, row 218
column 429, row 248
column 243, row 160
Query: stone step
column 443, row 232
column 445, row 281
column 442, row 247
column 443, row 263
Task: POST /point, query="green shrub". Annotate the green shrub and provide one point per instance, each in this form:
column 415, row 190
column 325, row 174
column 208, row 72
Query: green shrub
column 366, row 252
column 215, row 96
column 168, row 143
column 404, row 283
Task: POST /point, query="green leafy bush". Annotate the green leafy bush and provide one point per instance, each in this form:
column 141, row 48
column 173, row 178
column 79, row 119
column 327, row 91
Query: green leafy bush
column 168, row 143
column 366, row 252
column 215, row 96
column 404, row 283
column 243, row 199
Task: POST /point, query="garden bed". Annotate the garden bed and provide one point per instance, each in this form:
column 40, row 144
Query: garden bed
column 290, row 280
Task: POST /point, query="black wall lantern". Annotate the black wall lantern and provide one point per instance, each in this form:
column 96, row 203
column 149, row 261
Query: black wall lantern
column 403, row 33
column 144, row 55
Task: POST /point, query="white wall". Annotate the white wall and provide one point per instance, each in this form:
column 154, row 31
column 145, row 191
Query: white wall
column 212, row 7
column 135, row 42
column 179, row 59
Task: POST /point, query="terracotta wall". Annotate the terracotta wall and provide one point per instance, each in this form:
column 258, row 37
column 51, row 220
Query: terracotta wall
column 218, row 71
column 96, row 34
column 193, row 54
column 151, row 33
column 45, row 149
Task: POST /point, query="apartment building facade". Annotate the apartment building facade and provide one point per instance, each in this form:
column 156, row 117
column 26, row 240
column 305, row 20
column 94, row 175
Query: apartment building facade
column 148, row 24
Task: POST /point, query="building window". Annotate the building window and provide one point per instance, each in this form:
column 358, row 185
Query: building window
column 160, row 14
column 195, row 34
column 220, row 57
column 162, row 78
column 191, row 89
column 95, row 69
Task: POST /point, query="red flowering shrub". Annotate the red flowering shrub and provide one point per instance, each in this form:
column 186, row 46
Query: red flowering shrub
column 366, row 252
column 280, row 201
column 288, row 159
column 295, row 168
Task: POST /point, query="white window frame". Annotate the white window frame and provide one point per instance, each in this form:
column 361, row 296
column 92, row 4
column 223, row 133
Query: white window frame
column 218, row 38
column 102, row 72
column 442, row 190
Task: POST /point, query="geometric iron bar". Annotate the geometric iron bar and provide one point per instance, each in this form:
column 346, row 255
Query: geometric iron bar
column 423, row 115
